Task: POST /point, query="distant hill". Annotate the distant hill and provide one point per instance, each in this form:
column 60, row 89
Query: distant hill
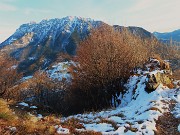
column 137, row 31
column 168, row 36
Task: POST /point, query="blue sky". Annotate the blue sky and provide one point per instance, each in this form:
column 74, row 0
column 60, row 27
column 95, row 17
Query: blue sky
column 153, row 15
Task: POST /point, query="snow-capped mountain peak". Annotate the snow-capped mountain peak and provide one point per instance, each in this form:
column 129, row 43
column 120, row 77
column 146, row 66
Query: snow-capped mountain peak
column 54, row 27
column 47, row 38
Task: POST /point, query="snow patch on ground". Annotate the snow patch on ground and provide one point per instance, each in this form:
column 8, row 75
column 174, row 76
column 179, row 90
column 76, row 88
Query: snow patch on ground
column 60, row 71
column 138, row 111
column 33, row 107
column 176, row 98
column 24, row 104
column 26, row 78
column 61, row 130
column 39, row 116
column 101, row 127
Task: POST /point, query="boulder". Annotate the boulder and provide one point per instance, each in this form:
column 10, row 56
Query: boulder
column 154, row 64
column 154, row 80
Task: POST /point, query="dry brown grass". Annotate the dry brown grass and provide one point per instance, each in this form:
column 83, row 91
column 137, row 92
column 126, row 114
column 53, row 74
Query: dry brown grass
column 87, row 133
column 72, row 124
column 31, row 125
column 171, row 85
column 26, row 124
column 5, row 113
column 130, row 128
column 167, row 125
column 114, row 124
column 155, row 109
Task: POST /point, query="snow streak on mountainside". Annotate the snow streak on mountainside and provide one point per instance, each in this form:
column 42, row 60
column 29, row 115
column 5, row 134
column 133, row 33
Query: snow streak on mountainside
column 53, row 28
column 41, row 42
column 60, row 71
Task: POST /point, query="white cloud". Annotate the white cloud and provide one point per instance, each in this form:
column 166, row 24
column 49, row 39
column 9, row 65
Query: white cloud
column 29, row 11
column 142, row 5
column 7, row 29
column 154, row 15
column 7, row 7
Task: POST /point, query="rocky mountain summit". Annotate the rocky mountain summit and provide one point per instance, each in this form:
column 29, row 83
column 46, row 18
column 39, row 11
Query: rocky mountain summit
column 40, row 42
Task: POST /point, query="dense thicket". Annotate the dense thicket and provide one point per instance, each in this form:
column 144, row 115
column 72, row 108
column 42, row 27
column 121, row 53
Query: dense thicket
column 105, row 61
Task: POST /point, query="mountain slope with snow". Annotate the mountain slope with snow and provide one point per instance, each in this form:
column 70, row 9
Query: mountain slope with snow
column 36, row 45
column 41, row 42
column 175, row 35
column 138, row 111
column 53, row 29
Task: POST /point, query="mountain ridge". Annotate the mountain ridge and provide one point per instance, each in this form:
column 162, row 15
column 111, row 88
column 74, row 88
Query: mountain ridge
column 41, row 42
column 167, row 36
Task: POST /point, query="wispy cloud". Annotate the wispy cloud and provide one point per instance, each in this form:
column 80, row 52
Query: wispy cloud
column 7, row 7
column 153, row 15
column 29, row 11
column 5, row 33
column 150, row 5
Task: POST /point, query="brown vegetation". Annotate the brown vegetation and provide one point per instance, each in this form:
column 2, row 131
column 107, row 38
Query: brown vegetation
column 167, row 124
column 106, row 59
column 9, row 76
column 13, row 122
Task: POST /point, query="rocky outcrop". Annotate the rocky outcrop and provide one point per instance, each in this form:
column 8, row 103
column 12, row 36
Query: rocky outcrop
column 160, row 76
column 154, row 80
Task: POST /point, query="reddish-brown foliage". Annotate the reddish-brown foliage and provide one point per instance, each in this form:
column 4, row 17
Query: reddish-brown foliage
column 8, row 76
column 106, row 59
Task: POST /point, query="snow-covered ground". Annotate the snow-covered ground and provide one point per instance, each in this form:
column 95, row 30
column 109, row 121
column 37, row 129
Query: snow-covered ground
column 137, row 116
column 138, row 111
column 61, row 130
column 60, row 71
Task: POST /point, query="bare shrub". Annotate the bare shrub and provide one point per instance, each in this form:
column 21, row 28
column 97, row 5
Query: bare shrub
column 106, row 59
column 46, row 92
column 9, row 76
